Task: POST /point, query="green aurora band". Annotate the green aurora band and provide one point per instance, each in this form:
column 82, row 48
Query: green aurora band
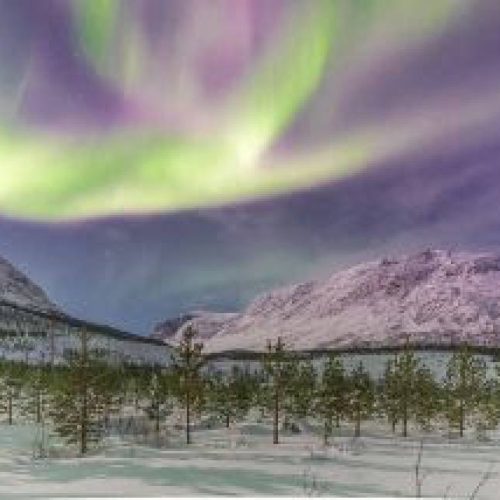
column 52, row 175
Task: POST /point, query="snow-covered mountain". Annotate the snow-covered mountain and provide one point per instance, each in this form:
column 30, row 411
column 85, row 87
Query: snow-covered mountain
column 45, row 333
column 206, row 323
column 16, row 288
column 434, row 297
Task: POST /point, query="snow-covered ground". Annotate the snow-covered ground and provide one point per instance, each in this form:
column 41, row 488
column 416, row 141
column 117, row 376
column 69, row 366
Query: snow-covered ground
column 240, row 461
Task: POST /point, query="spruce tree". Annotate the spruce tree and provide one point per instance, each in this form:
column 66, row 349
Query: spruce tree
column 188, row 362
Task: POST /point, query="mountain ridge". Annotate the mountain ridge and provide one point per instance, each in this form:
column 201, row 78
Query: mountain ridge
column 433, row 297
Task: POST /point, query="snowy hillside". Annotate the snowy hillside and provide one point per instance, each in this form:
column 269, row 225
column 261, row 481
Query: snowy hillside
column 433, row 297
column 206, row 323
column 16, row 288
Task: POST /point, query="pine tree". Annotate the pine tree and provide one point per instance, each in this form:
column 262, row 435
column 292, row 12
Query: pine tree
column 11, row 382
column 331, row 395
column 24, row 344
column 427, row 403
column 159, row 392
column 246, row 385
column 230, row 395
column 136, row 386
column 219, row 397
column 464, row 387
column 495, row 394
column 35, row 401
column 388, row 399
column 277, row 365
column 132, row 393
column 361, row 397
column 260, row 397
column 76, row 404
column 302, row 390
column 34, row 404
column 405, row 374
column 488, row 407
column 188, row 361
column 108, row 386
column 408, row 391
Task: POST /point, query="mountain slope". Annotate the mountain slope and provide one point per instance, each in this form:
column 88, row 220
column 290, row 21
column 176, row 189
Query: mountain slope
column 206, row 323
column 16, row 288
column 433, row 297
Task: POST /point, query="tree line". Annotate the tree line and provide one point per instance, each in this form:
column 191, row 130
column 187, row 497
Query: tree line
column 81, row 400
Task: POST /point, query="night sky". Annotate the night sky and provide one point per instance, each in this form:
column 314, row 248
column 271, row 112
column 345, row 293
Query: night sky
column 158, row 156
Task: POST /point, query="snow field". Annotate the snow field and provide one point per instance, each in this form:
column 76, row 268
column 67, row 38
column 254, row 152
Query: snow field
column 241, row 461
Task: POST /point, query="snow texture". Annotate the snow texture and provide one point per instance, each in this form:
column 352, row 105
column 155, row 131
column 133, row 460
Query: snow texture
column 242, row 461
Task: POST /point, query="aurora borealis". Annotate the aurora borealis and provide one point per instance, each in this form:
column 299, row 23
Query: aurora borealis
column 162, row 155
column 126, row 106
